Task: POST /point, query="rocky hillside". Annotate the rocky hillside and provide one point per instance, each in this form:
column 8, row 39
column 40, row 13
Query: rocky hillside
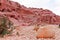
column 21, row 15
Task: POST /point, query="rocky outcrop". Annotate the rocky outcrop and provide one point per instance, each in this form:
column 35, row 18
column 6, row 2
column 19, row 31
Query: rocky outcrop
column 27, row 16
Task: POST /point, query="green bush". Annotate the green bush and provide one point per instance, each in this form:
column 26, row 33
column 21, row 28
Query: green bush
column 6, row 26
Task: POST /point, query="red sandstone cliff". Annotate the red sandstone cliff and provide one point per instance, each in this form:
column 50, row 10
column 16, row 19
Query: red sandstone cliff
column 27, row 16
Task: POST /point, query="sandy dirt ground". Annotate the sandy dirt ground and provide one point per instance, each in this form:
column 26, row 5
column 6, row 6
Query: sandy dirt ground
column 27, row 33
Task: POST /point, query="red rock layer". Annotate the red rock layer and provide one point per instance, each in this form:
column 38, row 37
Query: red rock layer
column 27, row 16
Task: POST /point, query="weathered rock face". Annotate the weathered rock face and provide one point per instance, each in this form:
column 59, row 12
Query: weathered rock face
column 27, row 16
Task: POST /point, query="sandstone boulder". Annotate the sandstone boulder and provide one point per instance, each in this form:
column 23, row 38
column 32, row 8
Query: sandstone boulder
column 45, row 32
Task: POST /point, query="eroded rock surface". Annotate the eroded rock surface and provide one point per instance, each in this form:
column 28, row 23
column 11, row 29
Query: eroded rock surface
column 27, row 16
column 21, row 16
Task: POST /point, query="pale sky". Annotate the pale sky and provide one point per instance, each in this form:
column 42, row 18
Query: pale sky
column 53, row 5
